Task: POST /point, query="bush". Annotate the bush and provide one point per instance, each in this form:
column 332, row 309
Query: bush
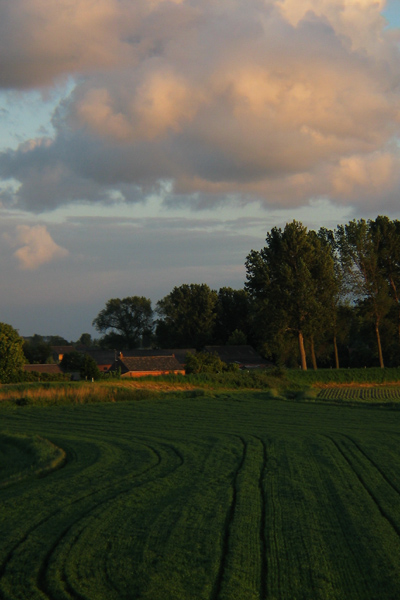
column 83, row 363
column 204, row 362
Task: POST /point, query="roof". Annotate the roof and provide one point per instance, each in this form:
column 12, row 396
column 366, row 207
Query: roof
column 179, row 353
column 63, row 349
column 102, row 356
column 149, row 363
column 242, row 355
column 54, row 369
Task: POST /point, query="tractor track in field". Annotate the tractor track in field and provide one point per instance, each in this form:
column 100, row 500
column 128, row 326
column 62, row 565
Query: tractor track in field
column 41, row 576
column 374, row 464
column 227, row 527
column 332, row 492
column 368, row 490
column 263, row 520
column 215, row 499
column 100, row 508
column 270, row 499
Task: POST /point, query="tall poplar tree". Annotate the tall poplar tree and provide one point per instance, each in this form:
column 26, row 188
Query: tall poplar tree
column 289, row 280
column 360, row 248
column 386, row 234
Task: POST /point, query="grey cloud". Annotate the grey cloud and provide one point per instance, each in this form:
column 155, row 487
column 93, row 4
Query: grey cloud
column 204, row 103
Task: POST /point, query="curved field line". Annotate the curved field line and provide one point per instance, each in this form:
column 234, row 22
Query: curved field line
column 179, row 551
column 35, row 469
column 367, row 488
column 263, row 521
column 60, row 511
column 271, row 542
column 227, row 526
column 135, row 485
column 332, row 492
column 374, row 464
column 100, row 508
column 244, row 550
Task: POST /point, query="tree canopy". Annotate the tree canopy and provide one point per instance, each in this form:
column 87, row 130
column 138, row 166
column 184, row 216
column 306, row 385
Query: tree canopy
column 12, row 357
column 290, row 279
column 362, row 247
column 37, row 350
column 131, row 318
column 82, row 363
column 187, row 316
column 326, row 297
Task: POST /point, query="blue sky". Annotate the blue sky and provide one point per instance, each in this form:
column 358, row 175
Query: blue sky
column 136, row 156
column 392, row 13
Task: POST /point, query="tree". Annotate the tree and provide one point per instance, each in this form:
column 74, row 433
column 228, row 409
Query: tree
column 207, row 362
column 84, row 364
column 323, row 327
column 85, row 340
column 187, row 316
column 289, row 281
column 360, row 248
column 386, row 234
column 36, row 350
column 237, row 338
column 58, row 340
column 12, row 357
column 204, row 362
column 131, row 318
column 89, row 368
column 232, row 315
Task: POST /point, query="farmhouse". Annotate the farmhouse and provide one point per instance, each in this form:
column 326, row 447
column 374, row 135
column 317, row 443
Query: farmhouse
column 179, row 353
column 140, row 366
column 59, row 351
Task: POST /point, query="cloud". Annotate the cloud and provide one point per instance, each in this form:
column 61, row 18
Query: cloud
column 202, row 102
column 38, row 247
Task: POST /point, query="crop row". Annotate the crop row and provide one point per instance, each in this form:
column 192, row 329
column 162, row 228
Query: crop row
column 378, row 394
column 242, row 497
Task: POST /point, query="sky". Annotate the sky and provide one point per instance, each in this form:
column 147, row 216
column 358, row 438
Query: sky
column 148, row 144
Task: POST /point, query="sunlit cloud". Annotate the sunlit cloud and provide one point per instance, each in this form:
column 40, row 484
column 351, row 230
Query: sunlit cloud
column 277, row 101
column 37, row 247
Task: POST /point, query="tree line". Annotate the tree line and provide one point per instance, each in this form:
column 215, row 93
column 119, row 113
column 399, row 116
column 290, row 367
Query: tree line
column 336, row 292
column 325, row 298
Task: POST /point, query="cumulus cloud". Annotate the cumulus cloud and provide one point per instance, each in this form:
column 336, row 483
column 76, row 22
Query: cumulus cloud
column 276, row 100
column 37, row 247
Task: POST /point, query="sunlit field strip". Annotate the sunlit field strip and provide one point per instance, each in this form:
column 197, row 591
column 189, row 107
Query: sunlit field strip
column 365, row 394
column 242, row 497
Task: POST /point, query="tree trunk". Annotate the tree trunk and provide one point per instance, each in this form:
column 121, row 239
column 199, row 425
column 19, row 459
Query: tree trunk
column 302, row 352
column 397, row 300
column 336, row 351
column 378, row 339
column 313, row 357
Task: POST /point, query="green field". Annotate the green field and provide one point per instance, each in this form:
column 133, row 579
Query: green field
column 236, row 497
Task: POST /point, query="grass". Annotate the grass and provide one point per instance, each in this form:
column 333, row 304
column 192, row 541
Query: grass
column 276, row 383
column 200, row 494
column 22, row 457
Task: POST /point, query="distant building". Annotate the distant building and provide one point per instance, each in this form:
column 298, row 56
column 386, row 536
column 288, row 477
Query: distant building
column 179, row 353
column 140, row 366
column 59, row 351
